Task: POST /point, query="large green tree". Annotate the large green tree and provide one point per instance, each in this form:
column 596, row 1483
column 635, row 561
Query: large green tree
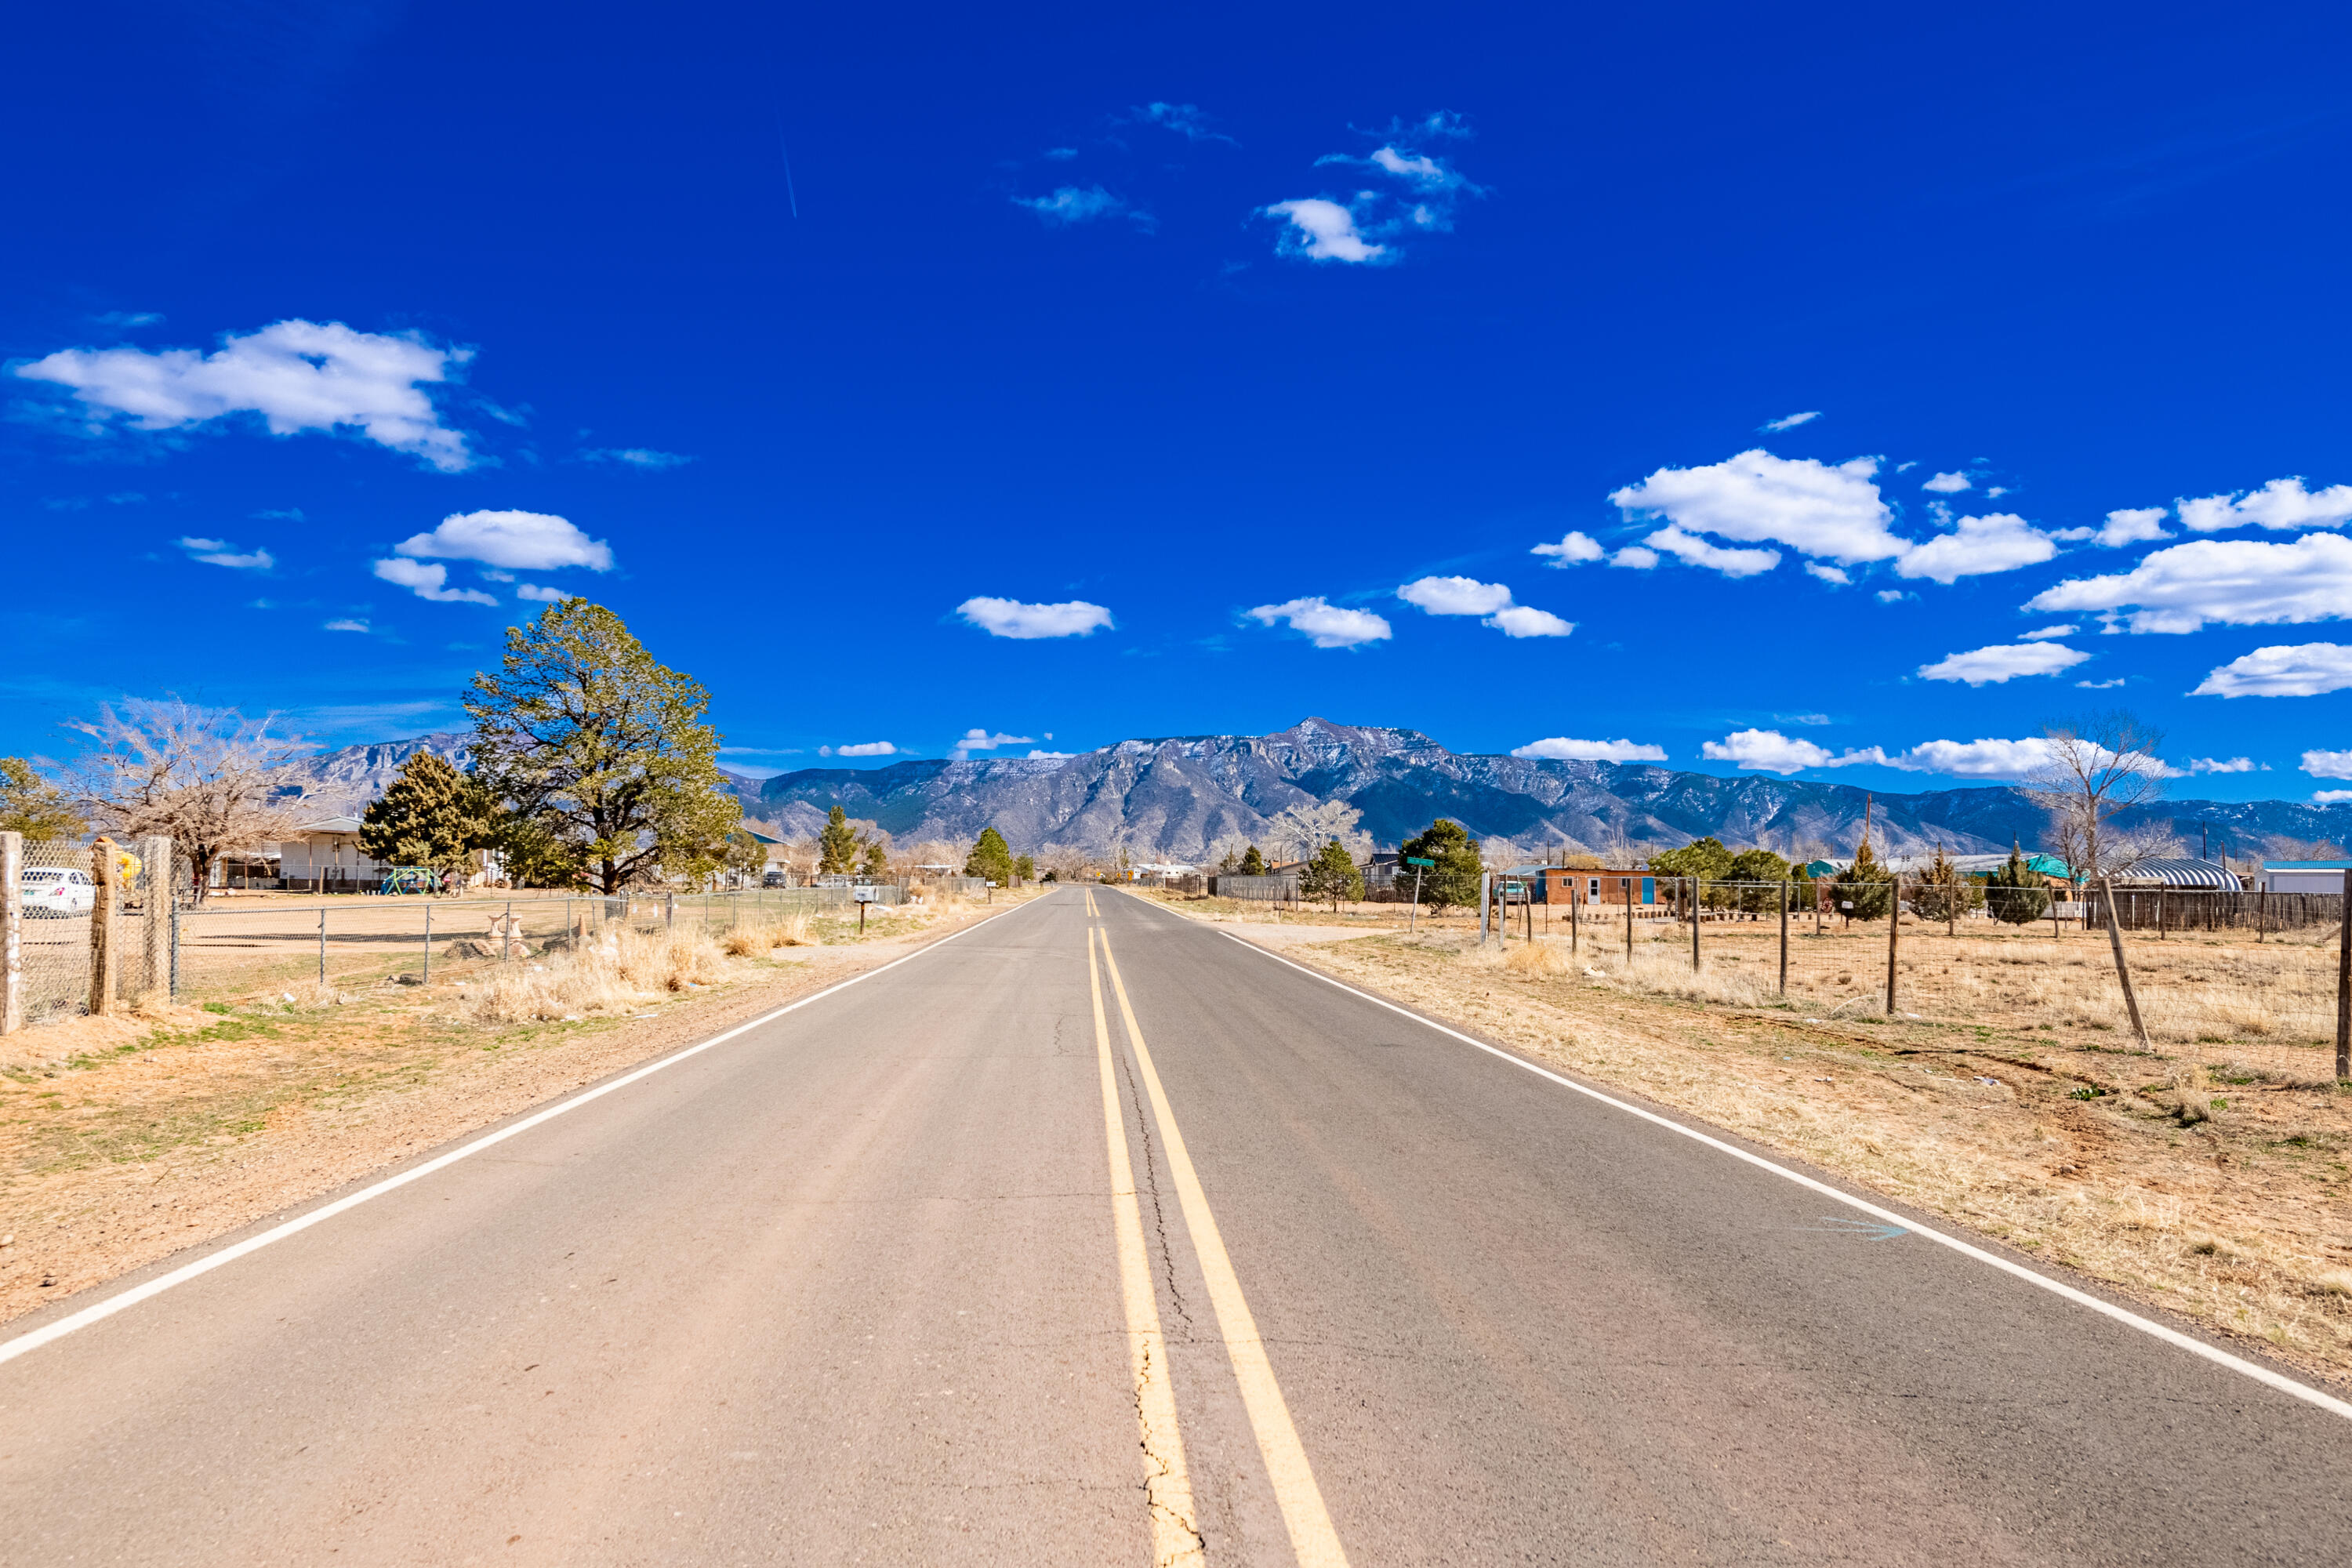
column 1865, row 889
column 2017, row 894
column 430, row 815
column 32, row 806
column 991, row 858
column 836, row 844
column 583, row 733
column 1253, row 863
column 1454, row 880
column 1331, row 874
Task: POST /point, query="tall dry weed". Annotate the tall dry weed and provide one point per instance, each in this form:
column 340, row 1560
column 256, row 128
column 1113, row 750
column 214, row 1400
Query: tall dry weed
column 617, row 972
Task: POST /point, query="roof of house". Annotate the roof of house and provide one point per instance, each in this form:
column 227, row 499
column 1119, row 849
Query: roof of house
column 2180, row 874
column 331, row 824
column 2307, row 865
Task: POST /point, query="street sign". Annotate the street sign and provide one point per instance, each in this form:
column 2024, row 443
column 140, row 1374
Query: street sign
column 1417, row 860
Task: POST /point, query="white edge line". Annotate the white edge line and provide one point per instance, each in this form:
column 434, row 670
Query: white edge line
column 2260, row 1375
column 24, row 1344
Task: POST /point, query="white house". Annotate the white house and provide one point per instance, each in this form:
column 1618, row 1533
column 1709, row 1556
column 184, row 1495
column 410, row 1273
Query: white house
column 2303, row 876
column 323, row 856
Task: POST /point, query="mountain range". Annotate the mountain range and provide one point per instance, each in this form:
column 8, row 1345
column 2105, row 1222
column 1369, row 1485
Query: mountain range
column 1171, row 798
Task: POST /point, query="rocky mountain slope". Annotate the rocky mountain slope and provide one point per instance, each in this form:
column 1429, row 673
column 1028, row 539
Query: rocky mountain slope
column 1171, row 798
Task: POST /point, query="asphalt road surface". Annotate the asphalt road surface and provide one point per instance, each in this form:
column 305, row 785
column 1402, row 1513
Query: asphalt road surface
column 1093, row 1236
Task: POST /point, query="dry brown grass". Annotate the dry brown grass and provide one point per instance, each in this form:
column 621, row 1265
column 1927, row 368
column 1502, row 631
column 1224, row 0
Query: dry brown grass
column 2209, row 1175
column 620, row 971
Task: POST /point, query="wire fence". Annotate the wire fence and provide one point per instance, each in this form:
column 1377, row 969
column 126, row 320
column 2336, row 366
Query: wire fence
column 2200, row 964
column 229, row 949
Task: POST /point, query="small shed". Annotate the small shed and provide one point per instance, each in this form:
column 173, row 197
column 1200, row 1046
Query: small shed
column 2302, row 875
column 2200, row 874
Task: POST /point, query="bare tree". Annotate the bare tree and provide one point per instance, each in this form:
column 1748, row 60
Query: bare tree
column 1298, row 831
column 2099, row 765
column 209, row 778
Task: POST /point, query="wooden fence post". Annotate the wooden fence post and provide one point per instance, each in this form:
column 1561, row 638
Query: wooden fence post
column 12, row 932
column 2343, row 986
column 2122, row 970
column 1894, row 936
column 107, row 875
column 1784, row 936
column 1694, row 908
column 155, row 853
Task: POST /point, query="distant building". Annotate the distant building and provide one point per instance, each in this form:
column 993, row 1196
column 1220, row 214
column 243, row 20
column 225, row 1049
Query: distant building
column 2206, row 874
column 2302, row 875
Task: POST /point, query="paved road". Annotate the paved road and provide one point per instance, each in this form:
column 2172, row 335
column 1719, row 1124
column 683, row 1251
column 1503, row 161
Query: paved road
column 862, row 1285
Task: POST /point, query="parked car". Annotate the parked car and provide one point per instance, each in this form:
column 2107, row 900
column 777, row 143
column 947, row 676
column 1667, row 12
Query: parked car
column 49, row 891
column 776, row 879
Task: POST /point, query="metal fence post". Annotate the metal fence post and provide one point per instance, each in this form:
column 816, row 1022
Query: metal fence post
column 507, row 936
column 1628, row 920
column 322, row 944
column 1694, row 908
column 175, row 947
column 426, row 978
column 12, row 932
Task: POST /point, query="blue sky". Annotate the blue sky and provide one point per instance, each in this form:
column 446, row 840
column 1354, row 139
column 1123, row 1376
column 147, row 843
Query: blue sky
column 1245, row 356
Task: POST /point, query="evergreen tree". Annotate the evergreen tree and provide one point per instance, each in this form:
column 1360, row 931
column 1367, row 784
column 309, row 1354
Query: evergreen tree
column 1704, row 860
column 746, row 856
column 1944, row 893
column 877, row 861
column 1454, row 880
column 1253, row 863
column 1866, row 885
column 604, row 748
column 991, row 858
column 1024, row 868
column 836, row 844
column 1331, row 873
column 32, row 806
column 1759, row 871
column 2017, row 895
column 430, row 815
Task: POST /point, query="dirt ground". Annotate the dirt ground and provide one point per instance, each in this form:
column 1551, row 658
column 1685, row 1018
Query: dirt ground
column 125, row 1139
column 2209, row 1172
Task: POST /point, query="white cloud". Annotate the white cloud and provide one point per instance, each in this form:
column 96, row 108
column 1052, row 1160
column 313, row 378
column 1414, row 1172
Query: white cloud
column 1418, row 169
column 2003, row 661
column 1790, row 421
column 2100, row 685
column 297, row 376
column 864, row 749
column 977, row 740
column 538, row 594
column 1947, row 484
column 1456, row 596
column 2132, row 525
column 1831, row 513
column 1894, row 595
column 2280, row 504
column 429, row 582
column 637, row 457
column 1035, row 754
column 1322, row 230
column 345, row 626
column 1770, row 752
column 221, row 552
column 1012, row 619
column 1836, row 574
column 1075, row 203
column 1526, row 621
column 1690, row 549
column 1561, row 749
column 1184, row 119
column 2331, row 797
column 2236, row 582
column 1326, row 624
column 1572, row 549
column 2329, row 764
column 1974, row 759
column 523, row 541
column 2061, row 630
column 2296, row 670
column 2001, row 541
column 1636, row 557
column 2222, row 765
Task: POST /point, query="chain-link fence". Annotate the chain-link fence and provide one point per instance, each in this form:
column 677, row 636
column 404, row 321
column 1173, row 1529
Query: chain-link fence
column 77, row 944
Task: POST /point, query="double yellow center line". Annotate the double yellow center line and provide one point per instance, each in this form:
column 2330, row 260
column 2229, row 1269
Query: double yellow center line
column 1176, row 1536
